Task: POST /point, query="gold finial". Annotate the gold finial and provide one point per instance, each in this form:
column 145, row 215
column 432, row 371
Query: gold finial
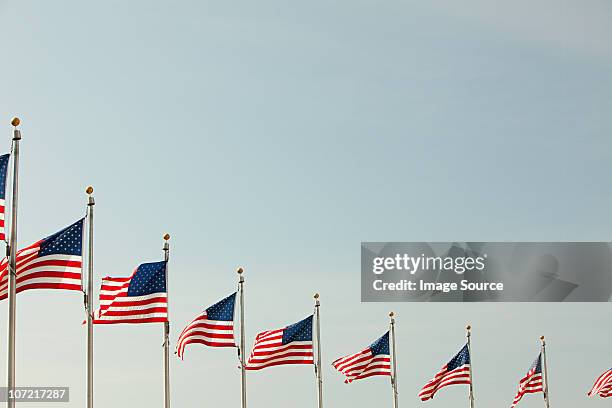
column 15, row 121
column 316, row 295
column 391, row 314
column 89, row 190
column 166, row 237
column 542, row 338
column 468, row 327
column 240, row 270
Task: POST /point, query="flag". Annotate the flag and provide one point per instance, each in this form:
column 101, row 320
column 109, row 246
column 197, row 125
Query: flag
column 532, row 382
column 373, row 360
column 603, row 385
column 214, row 327
column 54, row 262
column 4, row 160
column 291, row 345
column 457, row 371
column 141, row 298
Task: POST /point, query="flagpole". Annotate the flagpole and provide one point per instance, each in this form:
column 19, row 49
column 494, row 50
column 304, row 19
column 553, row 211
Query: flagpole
column 393, row 357
column 242, row 339
column 89, row 298
column 546, row 399
column 318, row 366
column 12, row 271
column 469, row 344
column 167, row 330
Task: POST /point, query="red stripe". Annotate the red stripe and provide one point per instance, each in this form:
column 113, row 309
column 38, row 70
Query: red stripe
column 207, row 343
column 56, row 263
column 135, row 312
column 205, row 325
column 258, row 353
column 49, row 274
column 443, row 379
column 136, row 303
column 376, row 373
column 279, row 363
column 210, row 335
column 143, row 320
column 63, row 286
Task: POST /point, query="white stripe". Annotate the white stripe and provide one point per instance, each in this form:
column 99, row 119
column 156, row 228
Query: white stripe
column 45, row 279
column 260, row 363
column 115, row 308
column 134, row 317
column 206, row 330
column 207, row 338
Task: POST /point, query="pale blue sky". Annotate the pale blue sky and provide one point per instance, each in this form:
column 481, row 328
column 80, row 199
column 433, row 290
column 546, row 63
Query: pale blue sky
column 279, row 135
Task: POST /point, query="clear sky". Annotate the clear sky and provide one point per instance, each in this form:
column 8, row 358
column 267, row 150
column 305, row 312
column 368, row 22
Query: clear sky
column 279, row 135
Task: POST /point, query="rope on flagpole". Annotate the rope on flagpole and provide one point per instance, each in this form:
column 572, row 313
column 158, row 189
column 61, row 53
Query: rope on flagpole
column 468, row 329
column 241, row 351
column 12, row 265
column 393, row 357
column 89, row 298
column 546, row 397
column 166, row 249
column 318, row 372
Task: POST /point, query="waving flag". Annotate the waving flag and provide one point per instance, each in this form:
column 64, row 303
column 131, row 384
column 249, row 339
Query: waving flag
column 603, row 385
column 373, row 360
column 4, row 160
column 532, row 382
column 54, row 262
column 457, row 371
column 214, row 327
column 291, row 345
column 141, row 298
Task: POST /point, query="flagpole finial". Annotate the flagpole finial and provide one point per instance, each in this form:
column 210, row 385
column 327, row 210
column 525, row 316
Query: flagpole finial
column 15, row 121
column 89, row 190
column 542, row 339
column 316, row 296
column 391, row 314
column 240, row 270
column 468, row 328
column 166, row 236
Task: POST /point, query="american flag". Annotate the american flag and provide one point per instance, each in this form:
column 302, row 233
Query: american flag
column 457, row 371
column 141, row 298
column 373, row 360
column 214, row 327
column 4, row 160
column 291, row 345
column 54, row 262
column 532, row 382
column 603, row 385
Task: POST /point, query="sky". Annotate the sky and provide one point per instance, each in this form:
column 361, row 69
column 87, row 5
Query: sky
column 278, row 136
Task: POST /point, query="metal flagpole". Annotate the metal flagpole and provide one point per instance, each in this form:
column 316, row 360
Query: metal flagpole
column 393, row 358
column 89, row 297
column 546, row 399
column 469, row 344
column 242, row 339
column 12, row 251
column 318, row 365
column 167, row 331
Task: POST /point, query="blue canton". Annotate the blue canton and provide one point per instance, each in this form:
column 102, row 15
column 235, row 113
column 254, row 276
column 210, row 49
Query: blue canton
column 381, row 346
column 149, row 278
column 300, row 331
column 4, row 160
column 68, row 241
column 222, row 310
column 460, row 359
column 537, row 364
